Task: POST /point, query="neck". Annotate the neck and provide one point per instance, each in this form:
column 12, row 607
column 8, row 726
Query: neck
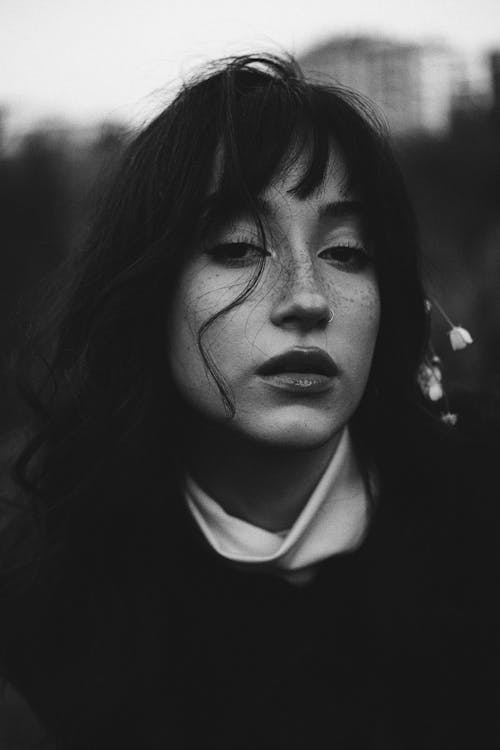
column 268, row 487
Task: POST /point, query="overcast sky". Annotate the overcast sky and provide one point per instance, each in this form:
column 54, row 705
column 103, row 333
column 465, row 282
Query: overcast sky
column 90, row 59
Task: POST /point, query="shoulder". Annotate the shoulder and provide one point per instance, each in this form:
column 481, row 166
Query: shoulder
column 466, row 451
column 473, row 447
column 478, row 417
column 441, row 482
column 459, row 493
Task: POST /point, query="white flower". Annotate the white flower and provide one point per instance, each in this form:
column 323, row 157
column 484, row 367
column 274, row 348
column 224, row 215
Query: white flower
column 429, row 379
column 459, row 338
column 449, row 418
column 435, row 391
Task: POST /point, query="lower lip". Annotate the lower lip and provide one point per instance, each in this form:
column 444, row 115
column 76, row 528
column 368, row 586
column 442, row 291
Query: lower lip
column 300, row 382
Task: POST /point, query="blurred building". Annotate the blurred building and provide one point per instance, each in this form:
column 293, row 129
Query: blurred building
column 413, row 84
column 3, row 113
column 495, row 81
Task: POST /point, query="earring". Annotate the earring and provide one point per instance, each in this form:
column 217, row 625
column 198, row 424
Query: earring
column 331, row 315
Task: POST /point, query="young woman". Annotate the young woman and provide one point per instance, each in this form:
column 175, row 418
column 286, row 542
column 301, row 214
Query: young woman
column 238, row 523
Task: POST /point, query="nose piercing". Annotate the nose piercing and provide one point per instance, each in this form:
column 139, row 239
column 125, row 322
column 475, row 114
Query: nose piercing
column 331, row 315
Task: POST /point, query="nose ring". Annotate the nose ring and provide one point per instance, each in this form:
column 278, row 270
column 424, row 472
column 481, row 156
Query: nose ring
column 331, row 315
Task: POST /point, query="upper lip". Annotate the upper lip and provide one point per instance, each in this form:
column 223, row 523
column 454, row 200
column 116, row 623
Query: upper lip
column 300, row 359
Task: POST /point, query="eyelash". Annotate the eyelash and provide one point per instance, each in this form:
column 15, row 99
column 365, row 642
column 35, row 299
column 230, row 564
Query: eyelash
column 357, row 260
column 358, row 256
column 220, row 253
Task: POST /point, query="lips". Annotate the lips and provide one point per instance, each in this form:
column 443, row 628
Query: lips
column 300, row 360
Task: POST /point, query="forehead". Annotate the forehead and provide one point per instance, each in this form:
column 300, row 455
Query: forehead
column 335, row 179
column 331, row 198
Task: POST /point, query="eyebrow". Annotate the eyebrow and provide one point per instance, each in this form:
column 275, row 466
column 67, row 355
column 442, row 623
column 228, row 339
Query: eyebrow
column 340, row 209
column 219, row 208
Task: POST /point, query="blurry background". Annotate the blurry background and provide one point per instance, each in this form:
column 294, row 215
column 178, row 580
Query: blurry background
column 77, row 76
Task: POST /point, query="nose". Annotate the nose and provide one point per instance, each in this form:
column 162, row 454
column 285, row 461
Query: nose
column 302, row 302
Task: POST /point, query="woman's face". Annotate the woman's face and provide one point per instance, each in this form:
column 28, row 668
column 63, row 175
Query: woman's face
column 294, row 377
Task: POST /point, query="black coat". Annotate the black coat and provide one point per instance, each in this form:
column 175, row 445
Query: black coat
column 392, row 646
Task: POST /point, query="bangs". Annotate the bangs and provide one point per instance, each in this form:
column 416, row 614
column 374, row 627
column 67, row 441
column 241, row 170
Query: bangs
column 267, row 119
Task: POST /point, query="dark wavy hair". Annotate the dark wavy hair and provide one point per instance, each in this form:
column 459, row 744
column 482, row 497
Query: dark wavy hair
column 93, row 370
column 98, row 470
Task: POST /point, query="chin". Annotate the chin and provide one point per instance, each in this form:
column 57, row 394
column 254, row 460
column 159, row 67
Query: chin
column 293, row 434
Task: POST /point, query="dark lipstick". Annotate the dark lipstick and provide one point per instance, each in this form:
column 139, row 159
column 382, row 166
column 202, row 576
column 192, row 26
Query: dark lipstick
column 300, row 370
column 300, row 359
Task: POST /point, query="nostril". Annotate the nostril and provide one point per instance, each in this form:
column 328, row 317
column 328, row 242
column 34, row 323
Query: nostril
column 309, row 310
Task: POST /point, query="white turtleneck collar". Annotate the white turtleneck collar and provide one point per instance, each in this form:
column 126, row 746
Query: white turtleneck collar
column 333, row 520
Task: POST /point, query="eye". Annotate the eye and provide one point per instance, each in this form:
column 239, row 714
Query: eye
column 236, row 254
column 349, row 257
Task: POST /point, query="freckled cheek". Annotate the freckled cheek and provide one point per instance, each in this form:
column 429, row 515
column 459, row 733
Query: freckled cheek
column 359, row 311
column 370, row 310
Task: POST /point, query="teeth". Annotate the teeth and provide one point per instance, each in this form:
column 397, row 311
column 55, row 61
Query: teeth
column 303, row 380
